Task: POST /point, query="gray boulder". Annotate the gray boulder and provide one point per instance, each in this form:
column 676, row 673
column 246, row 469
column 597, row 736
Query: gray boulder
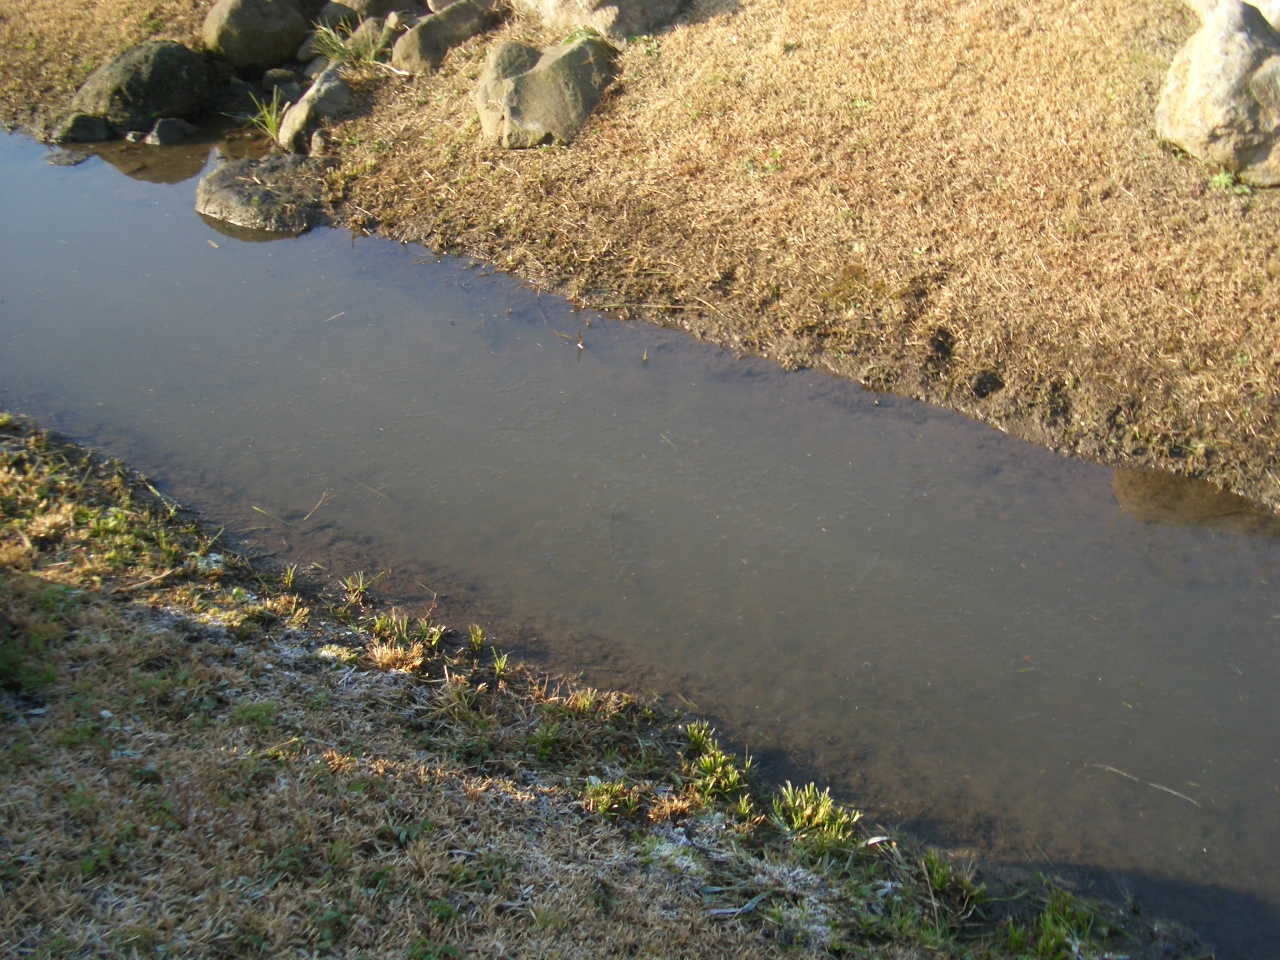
column 1268, row 8
column 422, row 48
column 255, row 35
column 157, row 79
column 527, row 97
column 280, row 194
column 328, row 96
column 353, row 12
column 616, row 19
column 1221, row 98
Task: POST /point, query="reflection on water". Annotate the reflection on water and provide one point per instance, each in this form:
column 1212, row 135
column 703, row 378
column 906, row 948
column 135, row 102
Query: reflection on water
column 174, row 164
column 1165, row 498
column 948, row 624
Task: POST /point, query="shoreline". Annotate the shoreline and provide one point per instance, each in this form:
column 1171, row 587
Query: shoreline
column 1029, row 256
column 219, row 664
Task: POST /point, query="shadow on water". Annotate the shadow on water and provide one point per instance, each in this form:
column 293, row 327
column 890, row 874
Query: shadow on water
column 955, row 630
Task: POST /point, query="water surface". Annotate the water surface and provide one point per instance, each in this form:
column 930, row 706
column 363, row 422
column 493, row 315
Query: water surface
column 1048, row 659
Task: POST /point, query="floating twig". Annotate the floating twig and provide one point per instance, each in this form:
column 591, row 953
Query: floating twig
column 146, row 583
column 1148, row 783
column 272, row 516
column 319, row 503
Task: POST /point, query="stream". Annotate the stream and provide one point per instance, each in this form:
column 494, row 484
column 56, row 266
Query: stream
column 1031, row 658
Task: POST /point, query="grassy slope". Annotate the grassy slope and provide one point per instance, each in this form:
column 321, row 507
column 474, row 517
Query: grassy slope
column 960, row 201
column 200, row 758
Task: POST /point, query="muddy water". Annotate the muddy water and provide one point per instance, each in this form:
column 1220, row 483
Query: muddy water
column 1049, row 660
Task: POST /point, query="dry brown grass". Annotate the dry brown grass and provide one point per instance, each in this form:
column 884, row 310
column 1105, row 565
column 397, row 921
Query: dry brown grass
column 49, row 47
column 959, row 201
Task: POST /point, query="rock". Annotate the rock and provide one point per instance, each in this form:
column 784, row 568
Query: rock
column 335, row 15
column 236, row 98
column 353, row 12
column 316, row 67
column 170, row 130
column 286, row 86
column 370, row 37
column 1268, row 8
column 82, row 128
column 255, row 35
column 319, row 144
column 422, row 49
column 309, row 50
column 280, row 77
column 157, row 79
column 281, row 194
column 328, row 97
column 528, row 97
column 616, row 19
column 1221, row 98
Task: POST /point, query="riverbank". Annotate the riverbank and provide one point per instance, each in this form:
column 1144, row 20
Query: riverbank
column 204, row 756
column 962, row 204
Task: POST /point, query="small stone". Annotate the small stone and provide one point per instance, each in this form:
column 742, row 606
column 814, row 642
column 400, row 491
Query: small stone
column 319, row 144
column 135, row 136
column 170, row 130
column 328, row 97
column 82, row 128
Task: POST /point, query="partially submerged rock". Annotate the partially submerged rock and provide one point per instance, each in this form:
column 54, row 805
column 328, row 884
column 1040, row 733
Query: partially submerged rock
column 616, row 19
column 1221, row 99
column 168, row 131
column 528, row 97
column 280, row 194
column 151, row 80
column 423, row 47
column 255, row 35
column 328, row 96
column 82, row 128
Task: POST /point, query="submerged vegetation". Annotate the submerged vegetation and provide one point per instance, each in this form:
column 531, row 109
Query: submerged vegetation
column 202, row 758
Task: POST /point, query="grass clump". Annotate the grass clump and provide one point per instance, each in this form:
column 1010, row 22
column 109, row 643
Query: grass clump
column 814, row 819
column 353, row 48
column 267, row 115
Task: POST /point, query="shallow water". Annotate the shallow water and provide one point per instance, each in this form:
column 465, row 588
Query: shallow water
column 1043, row 658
